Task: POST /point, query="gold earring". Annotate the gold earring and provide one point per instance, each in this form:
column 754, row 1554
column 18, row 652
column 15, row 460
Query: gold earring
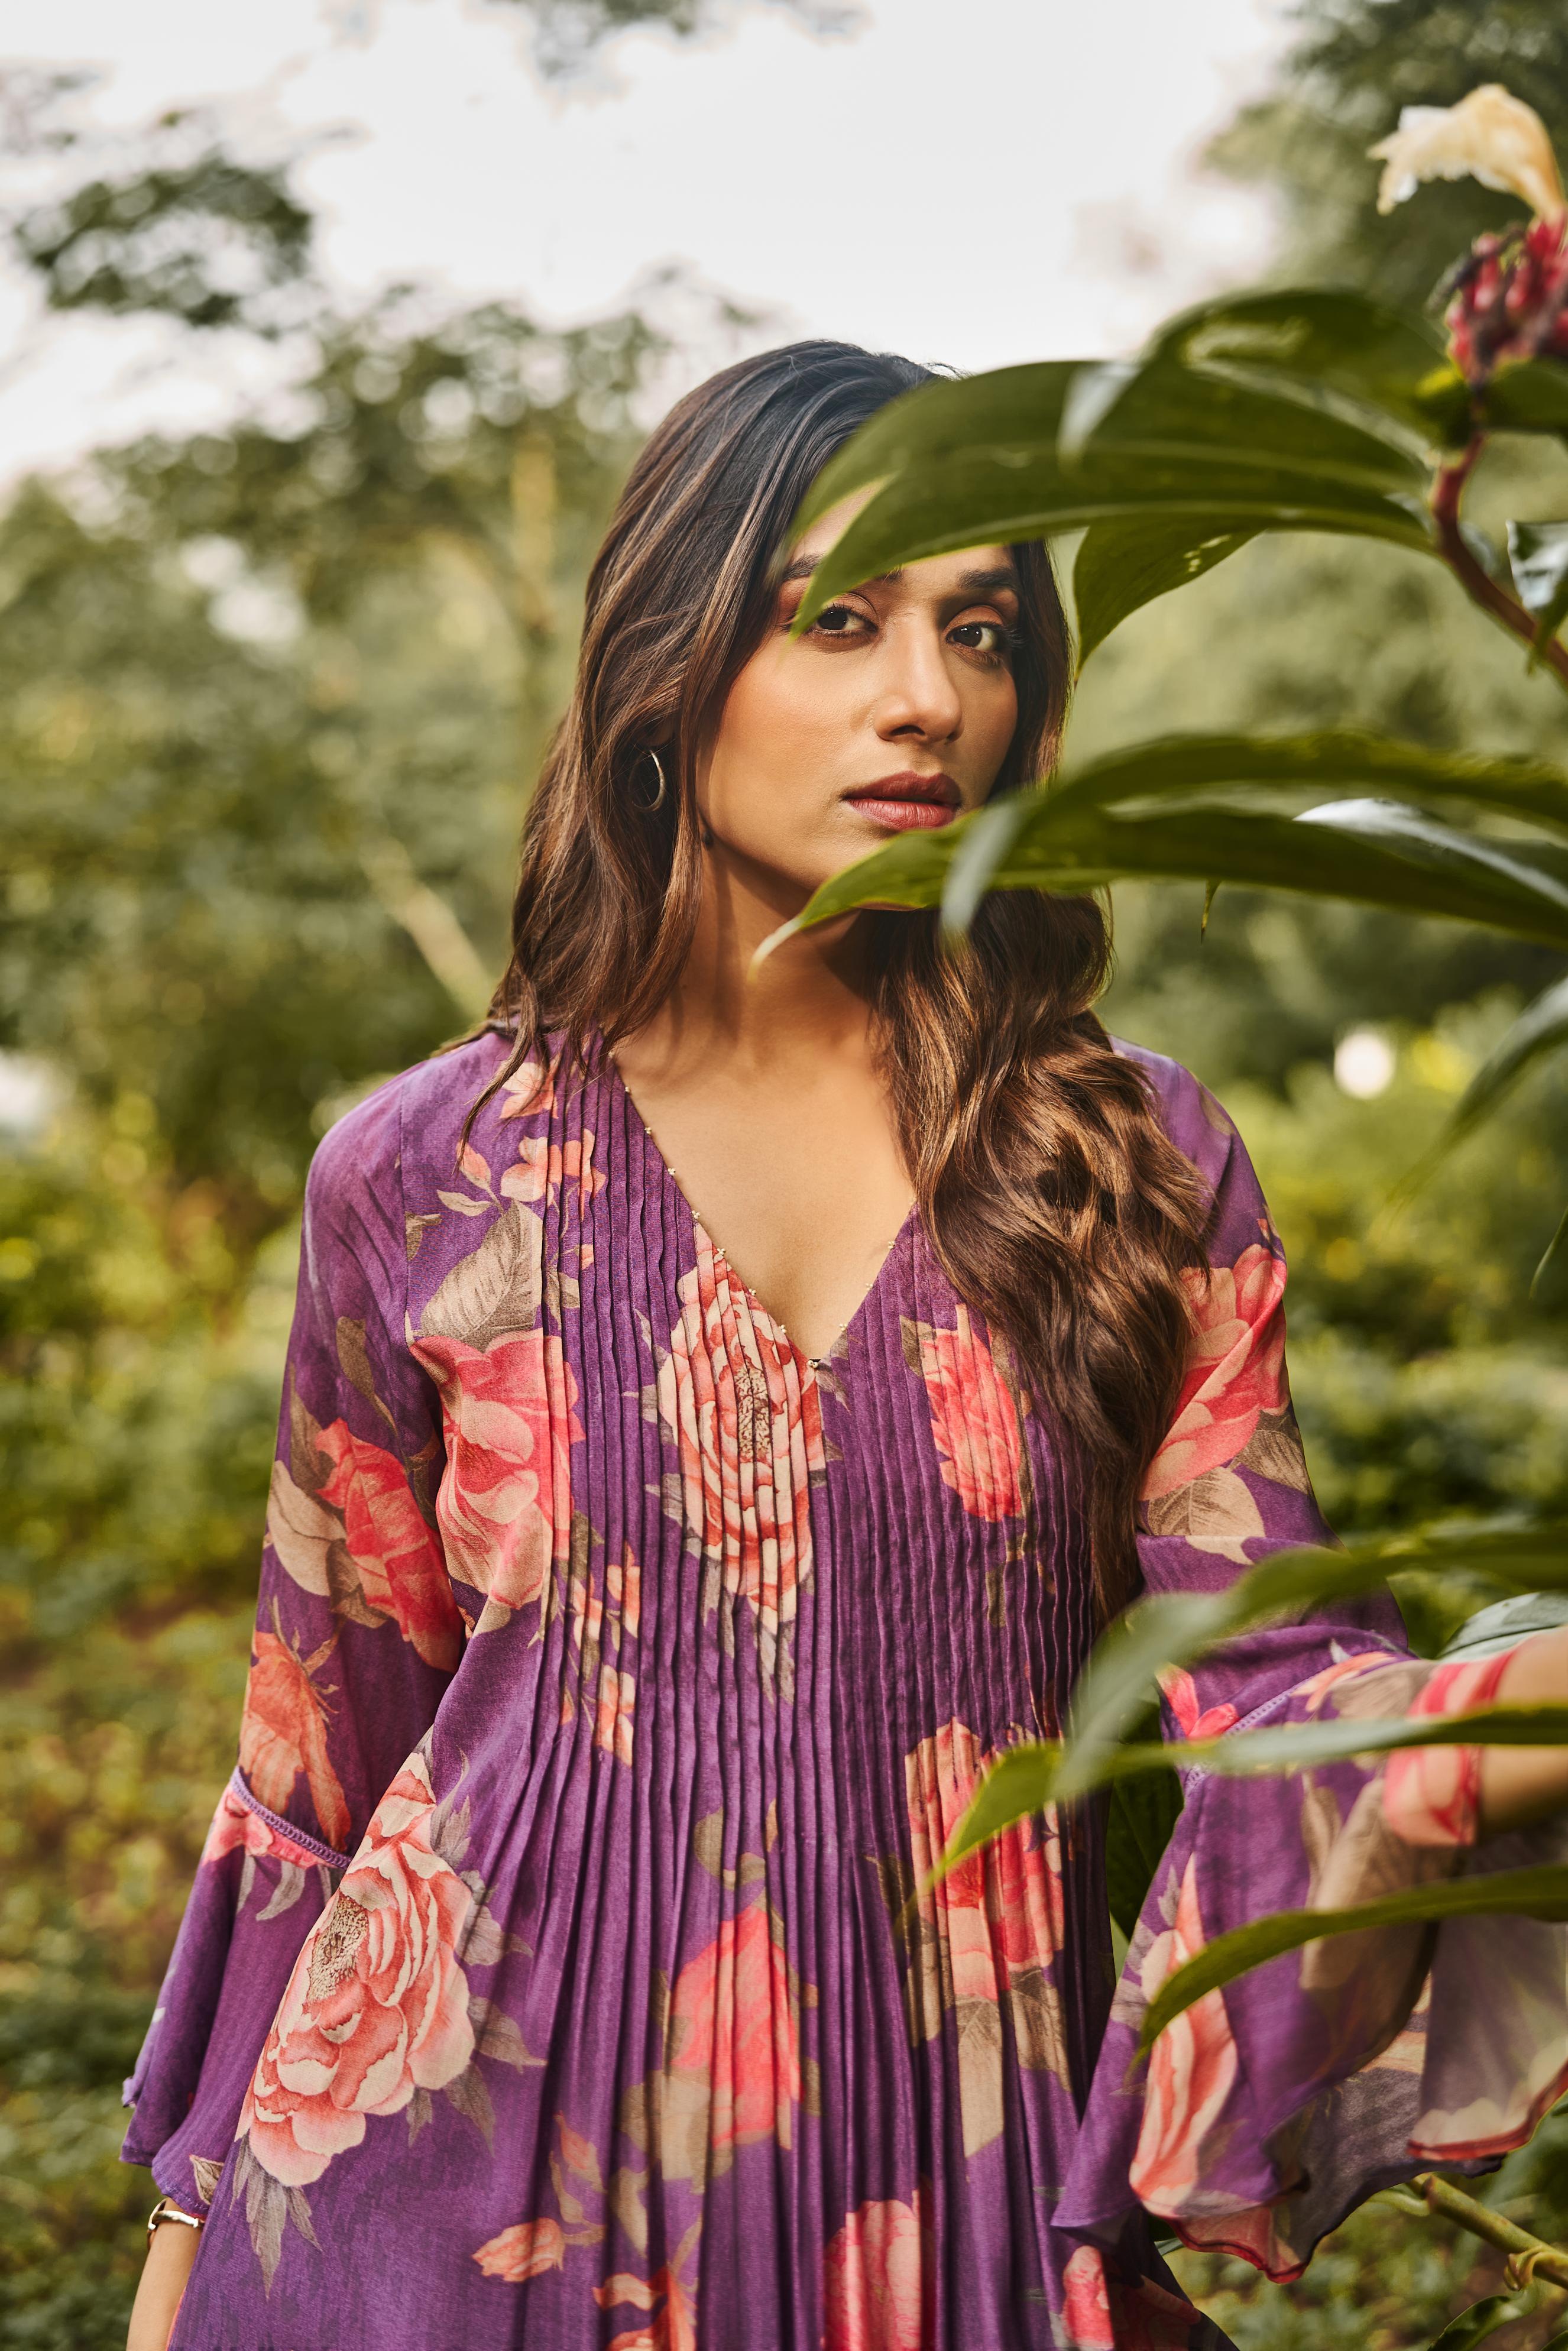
column 658, row 799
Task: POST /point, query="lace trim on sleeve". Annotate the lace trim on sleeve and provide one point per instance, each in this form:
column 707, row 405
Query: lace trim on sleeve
column 286, row 1830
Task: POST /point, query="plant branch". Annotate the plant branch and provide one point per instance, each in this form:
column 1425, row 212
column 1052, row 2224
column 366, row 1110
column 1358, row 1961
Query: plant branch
column 430, row 923
column 1478, row 584
column 1527, row 2257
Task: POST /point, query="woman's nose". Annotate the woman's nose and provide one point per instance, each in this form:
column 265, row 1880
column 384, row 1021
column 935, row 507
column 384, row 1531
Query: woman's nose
column 919, row 695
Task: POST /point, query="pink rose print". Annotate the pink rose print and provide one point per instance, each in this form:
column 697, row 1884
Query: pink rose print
column 503, row 1507
column 733, row 2069
column 1086, row 2303
column 523, row 2251
column 974, row 1419
column 1191, row 2069
column 283, row 1732
column 750, row 1430
column 980, row 1945
column 732, row 2031
column 878, row 2279
column 613, row 1718
column 1000, row 1911
column 1431, row 1795
column 377, row 2007
column 530, row 1089
column 1235, row 1374
column 545, row 1166
column 402, row 1570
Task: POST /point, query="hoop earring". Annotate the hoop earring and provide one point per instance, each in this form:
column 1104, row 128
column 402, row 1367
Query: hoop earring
column 657, row 801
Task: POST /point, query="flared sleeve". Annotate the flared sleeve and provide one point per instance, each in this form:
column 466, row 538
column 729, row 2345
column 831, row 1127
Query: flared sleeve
column 1272, row 2106
column 356, row 1637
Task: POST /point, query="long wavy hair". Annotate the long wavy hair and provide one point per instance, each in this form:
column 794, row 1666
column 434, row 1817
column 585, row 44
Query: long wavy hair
column 1057, row 1204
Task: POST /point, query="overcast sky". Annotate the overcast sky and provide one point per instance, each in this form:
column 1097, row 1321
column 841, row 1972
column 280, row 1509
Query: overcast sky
column 974, row 183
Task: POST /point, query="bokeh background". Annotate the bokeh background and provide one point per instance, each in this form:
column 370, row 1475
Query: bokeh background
column 327, row 333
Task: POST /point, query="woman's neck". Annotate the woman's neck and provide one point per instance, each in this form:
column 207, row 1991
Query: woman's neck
column 807, row 997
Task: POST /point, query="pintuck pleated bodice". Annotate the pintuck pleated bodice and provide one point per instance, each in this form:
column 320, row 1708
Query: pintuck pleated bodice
column 565, row 1968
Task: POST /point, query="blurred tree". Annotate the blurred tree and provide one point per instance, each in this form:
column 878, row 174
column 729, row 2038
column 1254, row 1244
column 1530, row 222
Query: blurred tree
column 567, row 31
column 267, row 702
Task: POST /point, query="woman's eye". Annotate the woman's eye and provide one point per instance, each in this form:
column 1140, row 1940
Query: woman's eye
column 988, row 637
column 839, row 620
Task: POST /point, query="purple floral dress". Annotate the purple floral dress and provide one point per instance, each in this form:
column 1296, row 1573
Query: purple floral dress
column 560, row 1969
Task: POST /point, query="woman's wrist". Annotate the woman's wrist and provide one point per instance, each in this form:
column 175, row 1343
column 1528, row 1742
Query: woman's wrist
column 170, row 2251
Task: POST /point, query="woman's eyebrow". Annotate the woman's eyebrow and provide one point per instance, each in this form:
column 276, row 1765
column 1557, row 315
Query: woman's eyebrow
column 973, row 583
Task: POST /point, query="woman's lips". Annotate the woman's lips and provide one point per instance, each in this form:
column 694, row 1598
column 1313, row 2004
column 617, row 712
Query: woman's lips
column 907, row 803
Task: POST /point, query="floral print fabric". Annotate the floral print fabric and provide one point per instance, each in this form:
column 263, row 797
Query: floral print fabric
column 562, row 1966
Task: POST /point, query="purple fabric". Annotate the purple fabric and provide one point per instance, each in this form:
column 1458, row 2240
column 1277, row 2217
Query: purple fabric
column 643, row 1665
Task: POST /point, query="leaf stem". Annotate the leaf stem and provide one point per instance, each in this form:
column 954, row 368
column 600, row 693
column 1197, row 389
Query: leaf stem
column 1529, row 2257
column 1447, row 493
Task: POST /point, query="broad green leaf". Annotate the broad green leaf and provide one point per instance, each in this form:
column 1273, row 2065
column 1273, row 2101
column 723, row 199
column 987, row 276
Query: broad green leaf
column 1339, row 759
column 1541, row 1029
column 1008, row 408
column 1022, row 408
column 1037, row 1772
column 1140, row 1815
column 1388, row 368
column 1511, row 1892
column 974, row 497
column 1481, row 2319
column 1538, row 556
column 1375, row 853
column 1527, row 396
column 1513, row 871
column 1158, row 406
column 1122, row 566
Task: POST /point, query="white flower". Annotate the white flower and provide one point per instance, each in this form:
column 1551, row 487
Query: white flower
column 1489, row 136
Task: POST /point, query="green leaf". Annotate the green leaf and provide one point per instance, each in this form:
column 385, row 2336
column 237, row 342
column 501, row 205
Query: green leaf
column 1162, row 399
column 1538, row 554
column 1037, row 1772
column 1527, row 396
column 1513, row 1893
column 1122, row 566
column 1178, row 1628
column 1140, row 1815
column 1541, row 1029
column 1554, row 1248
column 1511, row 874
column 1373, row 853
column 981, row 497
column 1008, row 408
column 1156, row 406
column 1337, row 760
column 1481, row 2319
column 1387, row 368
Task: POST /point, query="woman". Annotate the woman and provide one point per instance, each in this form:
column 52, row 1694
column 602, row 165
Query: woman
column 656, row 1559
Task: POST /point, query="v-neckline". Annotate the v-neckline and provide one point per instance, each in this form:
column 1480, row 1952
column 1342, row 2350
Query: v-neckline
column 700, row 1227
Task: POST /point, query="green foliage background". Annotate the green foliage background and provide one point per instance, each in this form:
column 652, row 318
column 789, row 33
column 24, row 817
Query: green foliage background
column 268, row 702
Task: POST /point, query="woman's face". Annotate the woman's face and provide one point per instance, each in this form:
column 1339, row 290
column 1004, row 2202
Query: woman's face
column 894, row 710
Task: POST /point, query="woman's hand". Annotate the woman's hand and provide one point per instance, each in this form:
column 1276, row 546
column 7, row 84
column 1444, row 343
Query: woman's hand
column 1521, row 1784
column 169, row 2254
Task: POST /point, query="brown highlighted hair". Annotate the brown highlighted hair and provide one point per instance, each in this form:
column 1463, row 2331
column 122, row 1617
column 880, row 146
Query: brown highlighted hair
column 1057, row 1204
